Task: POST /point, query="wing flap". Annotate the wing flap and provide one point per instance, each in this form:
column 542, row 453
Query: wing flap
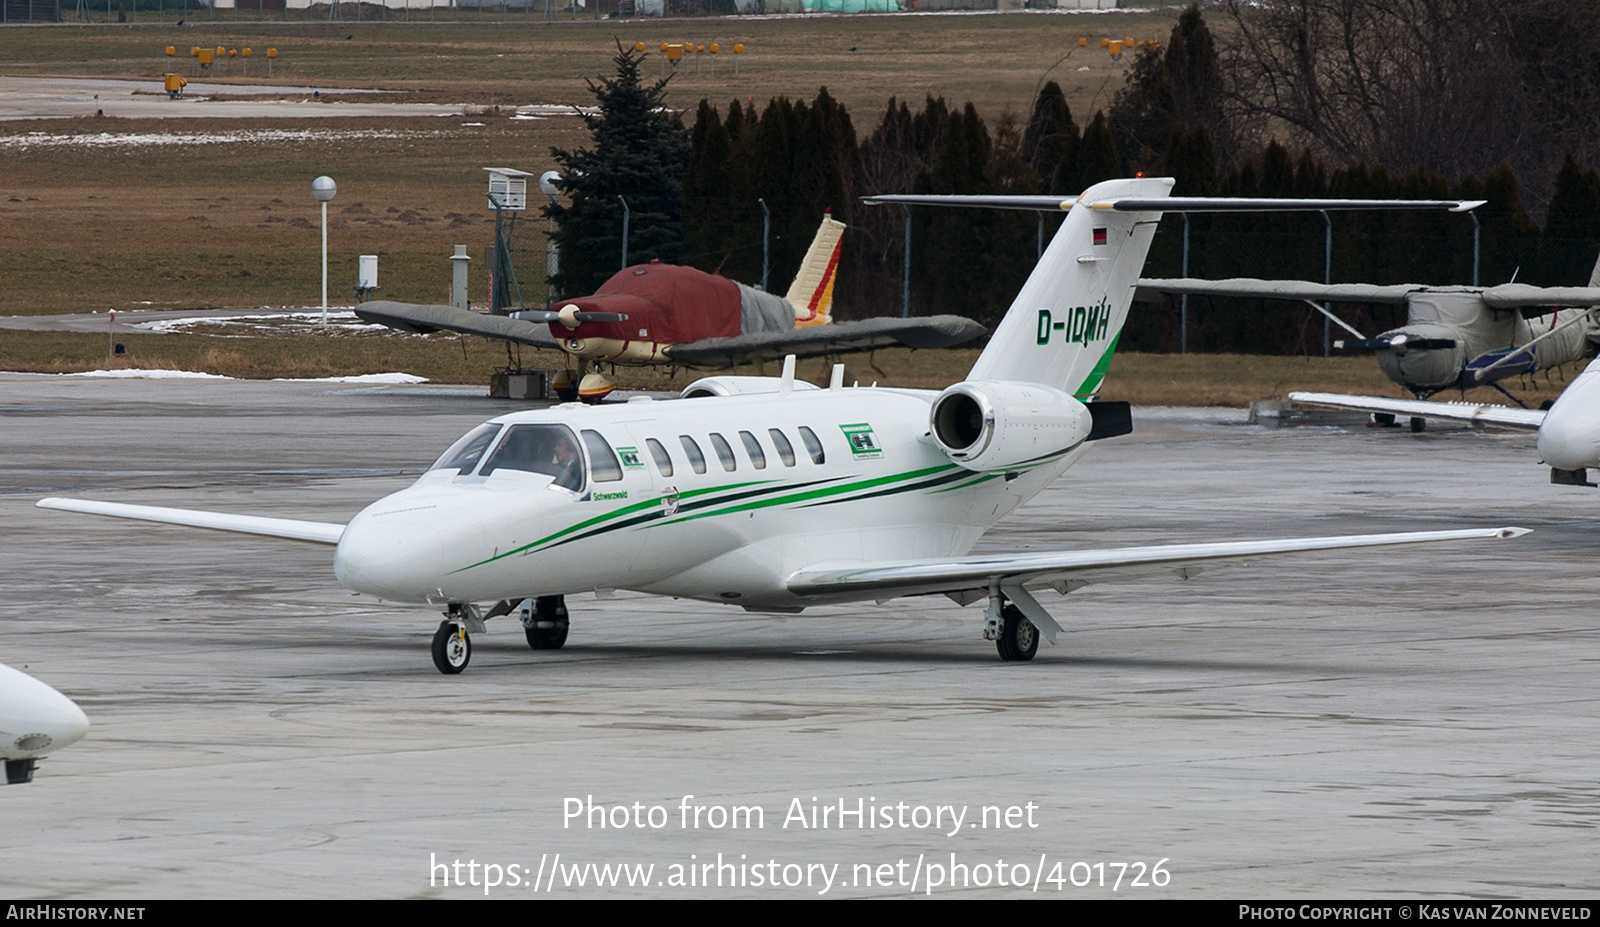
column 317, row 532
column 939, row 331
column 1076, row 567
column 1519, row 295
column 1454, row 411
column 1152, row 289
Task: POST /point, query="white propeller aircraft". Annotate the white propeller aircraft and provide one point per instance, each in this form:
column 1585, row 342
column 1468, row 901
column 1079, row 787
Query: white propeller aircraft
column 1569, row 432
column 775, row 495
column 34, row 720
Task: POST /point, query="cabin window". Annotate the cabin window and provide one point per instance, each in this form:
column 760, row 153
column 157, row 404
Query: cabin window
column 758, row 459
column 813, row 446
column 603, row 465
column 547, row 449
column 724, row 452
column 662, row 458
column 697, row 460
column 464, row 455
column 785, row 449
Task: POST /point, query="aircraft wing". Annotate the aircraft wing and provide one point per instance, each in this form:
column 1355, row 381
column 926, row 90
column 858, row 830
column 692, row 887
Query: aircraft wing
column 317, row 532
column 1153, row 289
column 1068, row 569
column 425, row 320
column 939, row 331
column 1455, row 411
column 1518, row 295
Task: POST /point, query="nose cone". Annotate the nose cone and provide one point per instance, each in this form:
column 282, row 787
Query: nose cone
column 34, row 718
column 400, row 547
column 396, row 561
column 1569, row 439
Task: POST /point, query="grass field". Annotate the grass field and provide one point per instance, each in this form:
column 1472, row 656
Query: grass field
column 100, row 214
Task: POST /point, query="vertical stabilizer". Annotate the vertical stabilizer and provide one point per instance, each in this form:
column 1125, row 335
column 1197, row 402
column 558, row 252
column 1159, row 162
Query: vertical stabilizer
column 1063, row 326
column 811, row 293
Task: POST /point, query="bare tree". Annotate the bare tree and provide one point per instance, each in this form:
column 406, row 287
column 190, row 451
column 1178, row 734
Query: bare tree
column 1457, row 85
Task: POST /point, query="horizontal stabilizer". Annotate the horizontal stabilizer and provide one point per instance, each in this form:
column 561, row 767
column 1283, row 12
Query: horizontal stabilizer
column 1165, row 204
column 1476, row 413
column 314, row 531
column 1078, row 567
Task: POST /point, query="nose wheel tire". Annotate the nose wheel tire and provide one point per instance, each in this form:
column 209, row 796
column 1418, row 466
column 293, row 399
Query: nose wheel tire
column 1019, row 639
column 452, row 648
column 549, row 629
column 1418, row 424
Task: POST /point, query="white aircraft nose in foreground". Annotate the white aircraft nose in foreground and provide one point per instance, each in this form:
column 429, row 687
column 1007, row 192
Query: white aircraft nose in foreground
column 774, row 495
column 34, row 720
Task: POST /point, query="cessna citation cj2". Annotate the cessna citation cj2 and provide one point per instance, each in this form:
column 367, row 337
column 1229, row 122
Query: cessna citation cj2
column 775, row 495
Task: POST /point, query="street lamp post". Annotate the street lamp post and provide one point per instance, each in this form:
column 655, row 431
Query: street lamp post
column 323, row 188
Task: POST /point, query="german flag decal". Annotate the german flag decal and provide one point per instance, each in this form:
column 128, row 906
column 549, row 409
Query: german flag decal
column 1099, row 236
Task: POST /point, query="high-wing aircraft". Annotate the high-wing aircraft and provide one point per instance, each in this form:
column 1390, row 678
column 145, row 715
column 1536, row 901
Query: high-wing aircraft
column 1454, row 337
column 774, row 495
column 34, row 720
column 1569, row 433
column 666, row 314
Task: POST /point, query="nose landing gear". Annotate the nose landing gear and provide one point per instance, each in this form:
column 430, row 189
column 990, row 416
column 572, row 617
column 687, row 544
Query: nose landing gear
column 452, row 648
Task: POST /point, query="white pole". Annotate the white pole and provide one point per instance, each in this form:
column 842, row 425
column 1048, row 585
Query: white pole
column 324, row 189
column 324, row 262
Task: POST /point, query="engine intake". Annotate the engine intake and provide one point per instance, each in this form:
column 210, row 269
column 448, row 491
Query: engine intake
column 988, row 426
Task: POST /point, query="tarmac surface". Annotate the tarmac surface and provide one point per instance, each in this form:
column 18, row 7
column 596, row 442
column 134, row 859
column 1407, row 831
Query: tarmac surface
column 1418, row 723
column 67, row 97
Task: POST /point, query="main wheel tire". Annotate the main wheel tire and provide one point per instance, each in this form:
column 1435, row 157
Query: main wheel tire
column 1019, row 639
column 452, row 648
column 1418, row 424
column 551, row 608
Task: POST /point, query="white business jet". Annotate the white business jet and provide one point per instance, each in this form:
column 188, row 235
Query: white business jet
column 1569, row 432
column 774, row 495
column 34, row 720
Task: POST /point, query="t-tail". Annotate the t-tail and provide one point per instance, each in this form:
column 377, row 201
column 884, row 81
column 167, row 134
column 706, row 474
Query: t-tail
column 811, row 293
column 1064, row 324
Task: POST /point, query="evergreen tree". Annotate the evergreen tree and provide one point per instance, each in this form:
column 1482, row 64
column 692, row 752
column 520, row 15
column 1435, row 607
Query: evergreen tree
column 708, row 212
column 1179, row 83
column 1097, row 155
column 1051, row 139
column 640, row 152
column 1574, row 202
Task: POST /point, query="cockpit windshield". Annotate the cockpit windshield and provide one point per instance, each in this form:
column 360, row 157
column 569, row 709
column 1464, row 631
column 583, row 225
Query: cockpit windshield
column 464, row 455
column 549, row 449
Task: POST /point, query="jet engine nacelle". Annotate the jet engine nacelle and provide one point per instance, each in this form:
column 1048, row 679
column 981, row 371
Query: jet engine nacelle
column 989, row 426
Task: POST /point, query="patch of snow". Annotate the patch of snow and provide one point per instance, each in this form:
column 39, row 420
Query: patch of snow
column 395, row 378
column 135, row 374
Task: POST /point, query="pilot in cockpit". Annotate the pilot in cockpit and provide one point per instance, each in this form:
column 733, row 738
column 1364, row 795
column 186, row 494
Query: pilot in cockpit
column 568, row 462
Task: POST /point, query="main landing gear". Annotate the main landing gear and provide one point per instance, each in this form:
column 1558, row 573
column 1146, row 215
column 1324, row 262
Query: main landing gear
column 1014, row 636
column 544, row 620
column 1019, row 639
